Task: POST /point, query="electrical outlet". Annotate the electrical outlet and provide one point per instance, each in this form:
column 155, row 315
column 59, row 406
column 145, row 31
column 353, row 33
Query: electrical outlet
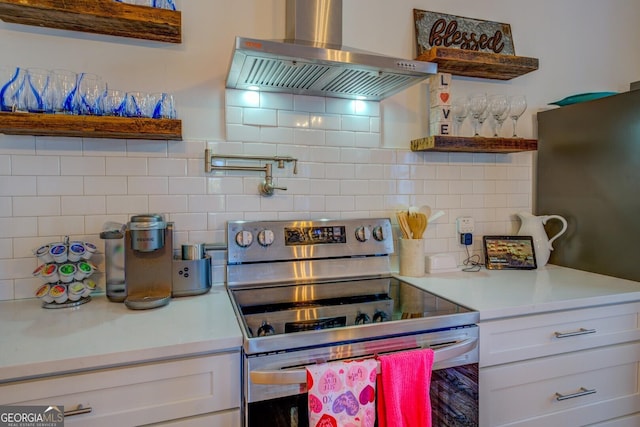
column 465, row 224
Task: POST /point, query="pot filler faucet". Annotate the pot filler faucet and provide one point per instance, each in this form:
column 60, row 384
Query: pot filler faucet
column 267, row 187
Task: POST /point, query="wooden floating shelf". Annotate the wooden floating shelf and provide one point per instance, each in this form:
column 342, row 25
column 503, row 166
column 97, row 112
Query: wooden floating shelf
column 479, row 64
column 90, row 126
column 96, row 16
column 477, row 144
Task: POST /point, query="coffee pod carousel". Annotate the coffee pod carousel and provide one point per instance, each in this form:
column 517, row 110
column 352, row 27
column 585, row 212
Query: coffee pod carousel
column 66, row 271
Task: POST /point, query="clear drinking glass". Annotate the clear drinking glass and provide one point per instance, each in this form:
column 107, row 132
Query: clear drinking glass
column 11, row 84
column 115, row 103
column 478, row 111
column 63, row 88
column 164, row 106
column 91, row 92
column 499, row 109
column 36, row 95
column 517, row 106
column 139, row 104
column 460, row 111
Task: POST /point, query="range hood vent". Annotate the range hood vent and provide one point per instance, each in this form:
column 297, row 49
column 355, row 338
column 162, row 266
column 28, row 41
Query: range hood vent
column 314, row 62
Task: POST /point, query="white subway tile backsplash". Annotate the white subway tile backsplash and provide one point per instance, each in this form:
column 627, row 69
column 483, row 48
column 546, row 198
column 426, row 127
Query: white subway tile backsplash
column 83, row 205
column 5, row 206
column 127, row 205
column 19, row 227
column 354, row 187
column 36, row 206
column 5, row 164
column 233, row 115
column 309, row 137
column 367, row 108
column 367, row 140
column 124, row 166
column 243, row 133
column 324, row 121
column 243, row 203
column 148, row 185
column 52, row 187
column 259, row 117
column 49, row 145
column 310, row 104
column 356, row 123
column 104, row 147
column 242, row 98
column 6, row 290
column 168, row 167
column 187, row 185
column 340, row 106
column 277, row 135
column 35, row 165
column 276, row 101
column 17, row 185
column 75, row 166
column 293, row 119
column 105, row 185
column 340, row 203
column 340, row 139
column 60, row 225
column 168, row 204
column 6, row 248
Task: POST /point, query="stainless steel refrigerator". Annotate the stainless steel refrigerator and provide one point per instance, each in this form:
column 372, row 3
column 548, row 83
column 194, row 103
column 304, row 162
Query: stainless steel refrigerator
column 588, row 171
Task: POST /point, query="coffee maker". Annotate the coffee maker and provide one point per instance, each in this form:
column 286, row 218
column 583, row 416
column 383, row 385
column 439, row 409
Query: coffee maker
column 148, row 261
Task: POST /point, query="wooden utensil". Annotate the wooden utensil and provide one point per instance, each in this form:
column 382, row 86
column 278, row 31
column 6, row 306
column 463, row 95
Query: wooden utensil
column 402, row 217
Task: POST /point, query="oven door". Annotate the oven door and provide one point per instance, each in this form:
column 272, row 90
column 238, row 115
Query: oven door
column 275, row 384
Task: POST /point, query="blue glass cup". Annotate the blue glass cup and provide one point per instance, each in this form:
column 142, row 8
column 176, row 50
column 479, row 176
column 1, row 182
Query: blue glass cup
column 11, row 85
column 36, row 96
column 90, row 94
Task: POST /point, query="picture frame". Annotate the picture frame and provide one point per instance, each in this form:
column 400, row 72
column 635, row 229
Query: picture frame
column 509, row 253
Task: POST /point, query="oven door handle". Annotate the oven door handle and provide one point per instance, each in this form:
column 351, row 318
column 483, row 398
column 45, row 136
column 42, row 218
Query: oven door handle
column 299, row 375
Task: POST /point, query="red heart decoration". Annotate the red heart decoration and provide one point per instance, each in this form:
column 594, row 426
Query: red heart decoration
column 327, row 421
column 444, row 96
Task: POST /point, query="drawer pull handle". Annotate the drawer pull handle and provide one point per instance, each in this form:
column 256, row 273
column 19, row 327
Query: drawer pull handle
column 581, row 331
column 78, row 411
column 583, row 392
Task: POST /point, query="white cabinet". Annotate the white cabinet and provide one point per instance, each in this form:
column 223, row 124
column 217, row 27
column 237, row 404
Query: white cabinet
column 566, row 368
column 193, row 391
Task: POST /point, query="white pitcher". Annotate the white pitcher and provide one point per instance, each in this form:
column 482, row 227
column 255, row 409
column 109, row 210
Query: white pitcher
column 534, row 226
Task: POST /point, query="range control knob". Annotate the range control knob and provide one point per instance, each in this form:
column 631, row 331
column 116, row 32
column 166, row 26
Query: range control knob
column 266, row 329
column 363, row 234
column 362, row 318
column 378, row 234
column 244, row 238
column 265, row 237
column 380, row 316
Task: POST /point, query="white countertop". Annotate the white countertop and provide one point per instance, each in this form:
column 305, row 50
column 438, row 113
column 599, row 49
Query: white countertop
column 35, row 341
column 505, row 293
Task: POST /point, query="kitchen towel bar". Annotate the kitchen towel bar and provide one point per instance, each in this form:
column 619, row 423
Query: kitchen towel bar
column 299, row 375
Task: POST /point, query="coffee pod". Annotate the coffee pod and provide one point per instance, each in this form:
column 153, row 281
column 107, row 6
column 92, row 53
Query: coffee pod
column 76, row 251
column 59, row 253
column 66, row 272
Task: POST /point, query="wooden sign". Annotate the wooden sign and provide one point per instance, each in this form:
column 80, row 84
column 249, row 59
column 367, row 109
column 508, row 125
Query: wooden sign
column 441, row 30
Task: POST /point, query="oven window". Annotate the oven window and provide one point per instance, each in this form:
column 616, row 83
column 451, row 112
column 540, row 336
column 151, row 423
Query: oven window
column 453, row 392
column 290, row 411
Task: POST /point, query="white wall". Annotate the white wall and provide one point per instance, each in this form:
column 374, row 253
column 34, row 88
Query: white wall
column 51, row 187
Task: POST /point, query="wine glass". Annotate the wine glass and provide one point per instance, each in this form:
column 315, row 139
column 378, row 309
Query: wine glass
column 517, row 106
column 477, row 108
column 460, row 111
column 499, row 109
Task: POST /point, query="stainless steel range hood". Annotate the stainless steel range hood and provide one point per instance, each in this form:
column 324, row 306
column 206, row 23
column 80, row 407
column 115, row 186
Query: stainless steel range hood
column 312, row 61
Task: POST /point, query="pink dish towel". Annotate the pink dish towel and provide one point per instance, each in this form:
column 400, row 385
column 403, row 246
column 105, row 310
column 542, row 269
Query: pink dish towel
column 403, row 389
column 342, row 394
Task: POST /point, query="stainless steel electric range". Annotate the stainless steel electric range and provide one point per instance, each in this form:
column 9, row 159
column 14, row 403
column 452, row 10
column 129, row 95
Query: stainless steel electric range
column 317, row 291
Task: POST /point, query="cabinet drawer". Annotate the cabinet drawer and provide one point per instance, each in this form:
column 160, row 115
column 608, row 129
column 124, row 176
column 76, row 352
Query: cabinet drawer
column 140, row 394
column 528, row 337
column 573, row 389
